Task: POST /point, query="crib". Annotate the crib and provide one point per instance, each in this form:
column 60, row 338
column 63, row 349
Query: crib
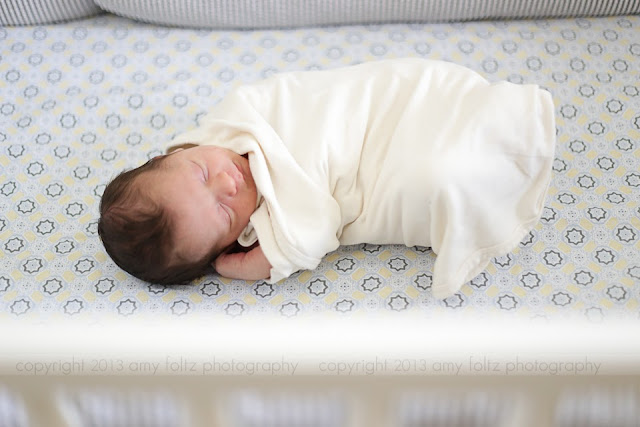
column 86, row 91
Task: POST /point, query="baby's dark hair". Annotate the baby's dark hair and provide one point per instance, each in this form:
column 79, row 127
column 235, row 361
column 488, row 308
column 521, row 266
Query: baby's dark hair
column 136, row 232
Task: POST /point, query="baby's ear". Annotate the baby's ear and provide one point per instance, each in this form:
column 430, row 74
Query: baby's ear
column 179, row 147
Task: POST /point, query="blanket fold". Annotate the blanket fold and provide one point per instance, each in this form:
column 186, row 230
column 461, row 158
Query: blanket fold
column 398, row 151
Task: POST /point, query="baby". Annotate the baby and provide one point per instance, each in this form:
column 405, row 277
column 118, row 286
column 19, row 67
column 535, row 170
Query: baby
column 167, row 220
column 285, row 170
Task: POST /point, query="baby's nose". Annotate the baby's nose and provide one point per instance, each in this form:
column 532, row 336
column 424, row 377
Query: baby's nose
column 225, row 184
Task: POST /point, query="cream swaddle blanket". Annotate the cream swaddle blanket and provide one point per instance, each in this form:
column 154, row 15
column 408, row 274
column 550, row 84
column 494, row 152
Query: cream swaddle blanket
column 406, row 151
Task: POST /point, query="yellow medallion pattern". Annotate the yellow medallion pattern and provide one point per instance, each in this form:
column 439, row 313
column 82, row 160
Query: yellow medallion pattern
column 83, row 100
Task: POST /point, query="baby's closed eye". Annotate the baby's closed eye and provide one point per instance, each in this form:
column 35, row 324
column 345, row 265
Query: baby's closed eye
column 225, row 212
column 205, row 175
column 202, row 170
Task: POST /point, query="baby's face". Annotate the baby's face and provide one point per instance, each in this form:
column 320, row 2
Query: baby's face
column 209, row 193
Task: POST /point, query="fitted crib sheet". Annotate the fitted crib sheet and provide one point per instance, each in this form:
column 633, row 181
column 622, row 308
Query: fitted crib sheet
column 81, row 101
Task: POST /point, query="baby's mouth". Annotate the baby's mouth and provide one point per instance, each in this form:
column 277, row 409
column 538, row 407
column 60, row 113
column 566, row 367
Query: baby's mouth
column 238, row 178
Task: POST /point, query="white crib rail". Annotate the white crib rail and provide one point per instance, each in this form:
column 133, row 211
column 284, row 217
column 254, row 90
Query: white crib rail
column 612, row 401
column 387, row 372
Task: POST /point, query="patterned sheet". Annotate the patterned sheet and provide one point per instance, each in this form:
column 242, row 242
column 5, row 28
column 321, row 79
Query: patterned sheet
column 81, row 101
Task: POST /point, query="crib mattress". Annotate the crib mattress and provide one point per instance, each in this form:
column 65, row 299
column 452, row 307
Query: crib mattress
column 81, row 101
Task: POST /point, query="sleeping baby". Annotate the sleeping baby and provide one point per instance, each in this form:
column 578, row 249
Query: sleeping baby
column 283, row 171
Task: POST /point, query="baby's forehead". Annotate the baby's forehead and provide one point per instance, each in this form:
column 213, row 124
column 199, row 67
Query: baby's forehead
column 170, row 192
column 189, row 240
column 150, row 186
column 161, row 173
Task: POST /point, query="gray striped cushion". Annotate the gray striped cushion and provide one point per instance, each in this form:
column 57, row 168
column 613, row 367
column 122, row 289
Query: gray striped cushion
column 32, row 12
column 295, row 13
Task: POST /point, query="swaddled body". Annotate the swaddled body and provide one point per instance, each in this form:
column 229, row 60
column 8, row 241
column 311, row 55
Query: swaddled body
column 401, row 151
